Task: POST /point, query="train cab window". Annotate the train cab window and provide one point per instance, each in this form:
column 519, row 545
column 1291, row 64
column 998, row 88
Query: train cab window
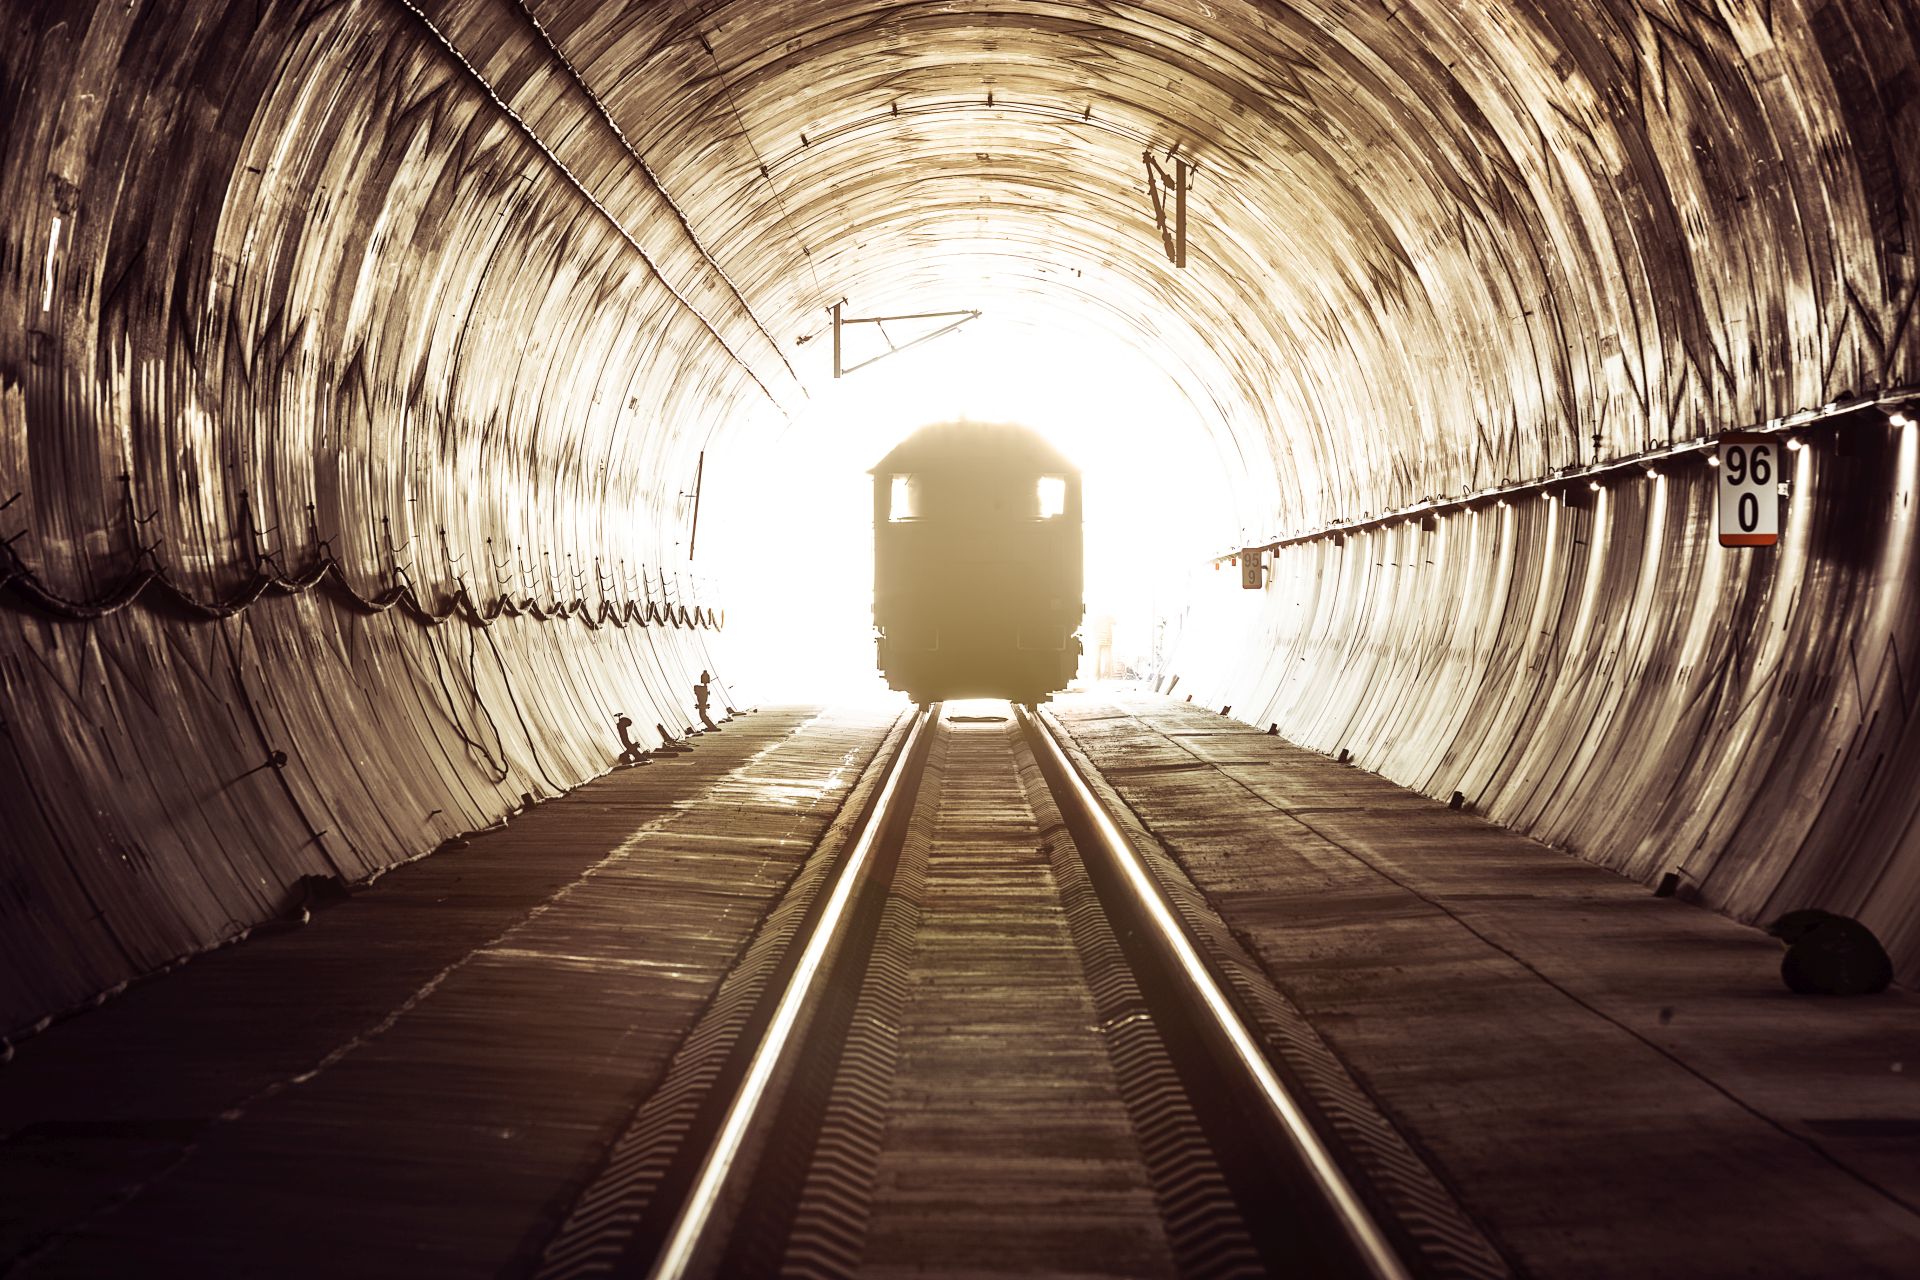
column 1053, row 496
column 904, row 503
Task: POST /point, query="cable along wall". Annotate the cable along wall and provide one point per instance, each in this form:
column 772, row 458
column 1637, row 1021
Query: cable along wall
column 304, row 317
column 1609, row 680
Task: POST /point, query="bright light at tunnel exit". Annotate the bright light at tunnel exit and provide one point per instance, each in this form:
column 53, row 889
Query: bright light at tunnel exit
column 786, row 523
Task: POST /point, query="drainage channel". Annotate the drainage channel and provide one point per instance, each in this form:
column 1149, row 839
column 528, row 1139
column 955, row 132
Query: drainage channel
column 987, row 1046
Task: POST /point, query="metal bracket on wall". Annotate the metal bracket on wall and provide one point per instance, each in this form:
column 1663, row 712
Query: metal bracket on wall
column 1160, row 186
column 881, row 322
column 699, row 475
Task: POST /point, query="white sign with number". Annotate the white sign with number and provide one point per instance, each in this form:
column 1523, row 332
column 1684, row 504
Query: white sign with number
column 1749, row 491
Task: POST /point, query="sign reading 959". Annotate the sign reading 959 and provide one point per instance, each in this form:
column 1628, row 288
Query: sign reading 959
column 1749, row 491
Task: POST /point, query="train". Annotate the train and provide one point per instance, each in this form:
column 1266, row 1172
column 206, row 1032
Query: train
column 978, row 581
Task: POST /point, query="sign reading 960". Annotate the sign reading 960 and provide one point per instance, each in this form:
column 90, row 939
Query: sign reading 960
column 1749, row 491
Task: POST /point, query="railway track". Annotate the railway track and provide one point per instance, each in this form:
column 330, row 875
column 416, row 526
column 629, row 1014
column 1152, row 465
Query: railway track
column 981, row 1035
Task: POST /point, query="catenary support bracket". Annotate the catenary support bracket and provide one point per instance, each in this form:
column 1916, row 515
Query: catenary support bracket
column 1164, row 188
column 840, row 320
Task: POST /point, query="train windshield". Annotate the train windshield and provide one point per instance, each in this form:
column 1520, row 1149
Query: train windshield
column 1052, row 496
column 904, row 503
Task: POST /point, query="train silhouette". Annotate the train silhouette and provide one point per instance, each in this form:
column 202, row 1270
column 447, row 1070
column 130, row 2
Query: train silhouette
column 977, row 577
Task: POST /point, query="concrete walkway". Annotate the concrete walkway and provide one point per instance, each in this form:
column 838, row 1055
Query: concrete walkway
column 1613, row 1084
column 418, row 1081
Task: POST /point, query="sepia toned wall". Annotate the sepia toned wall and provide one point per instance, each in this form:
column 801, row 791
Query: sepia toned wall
column 436, row 304
column 327, row 367
column 1611, row 681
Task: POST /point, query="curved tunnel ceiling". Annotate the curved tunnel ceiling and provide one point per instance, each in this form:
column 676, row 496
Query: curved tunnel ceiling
column 1433, row 246
column 418, row 284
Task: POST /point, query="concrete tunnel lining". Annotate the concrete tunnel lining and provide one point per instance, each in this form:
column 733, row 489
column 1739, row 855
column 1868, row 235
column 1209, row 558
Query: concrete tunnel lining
column 350, row 279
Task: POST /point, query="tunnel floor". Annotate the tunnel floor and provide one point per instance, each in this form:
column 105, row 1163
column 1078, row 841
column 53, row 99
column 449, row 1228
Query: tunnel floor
column 425, row 1078
column 1611, row 1083
column 417, row 1082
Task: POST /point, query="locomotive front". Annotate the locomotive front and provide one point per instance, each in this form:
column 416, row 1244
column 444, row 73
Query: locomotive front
column 977, row 564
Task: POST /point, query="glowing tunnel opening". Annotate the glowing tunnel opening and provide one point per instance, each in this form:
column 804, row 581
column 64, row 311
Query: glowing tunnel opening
column 791, row 515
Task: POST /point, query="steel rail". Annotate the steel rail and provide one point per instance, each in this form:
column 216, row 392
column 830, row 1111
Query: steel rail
column 1369, row 1244
column 679, row 1254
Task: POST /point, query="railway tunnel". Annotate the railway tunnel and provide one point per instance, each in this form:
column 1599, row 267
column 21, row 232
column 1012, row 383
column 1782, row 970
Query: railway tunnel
column 370, row 361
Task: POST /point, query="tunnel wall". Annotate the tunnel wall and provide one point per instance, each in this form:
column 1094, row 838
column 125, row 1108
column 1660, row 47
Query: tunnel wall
column 428, row 297
column 1611, row 681
column 145, row 821
column 314, row 361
